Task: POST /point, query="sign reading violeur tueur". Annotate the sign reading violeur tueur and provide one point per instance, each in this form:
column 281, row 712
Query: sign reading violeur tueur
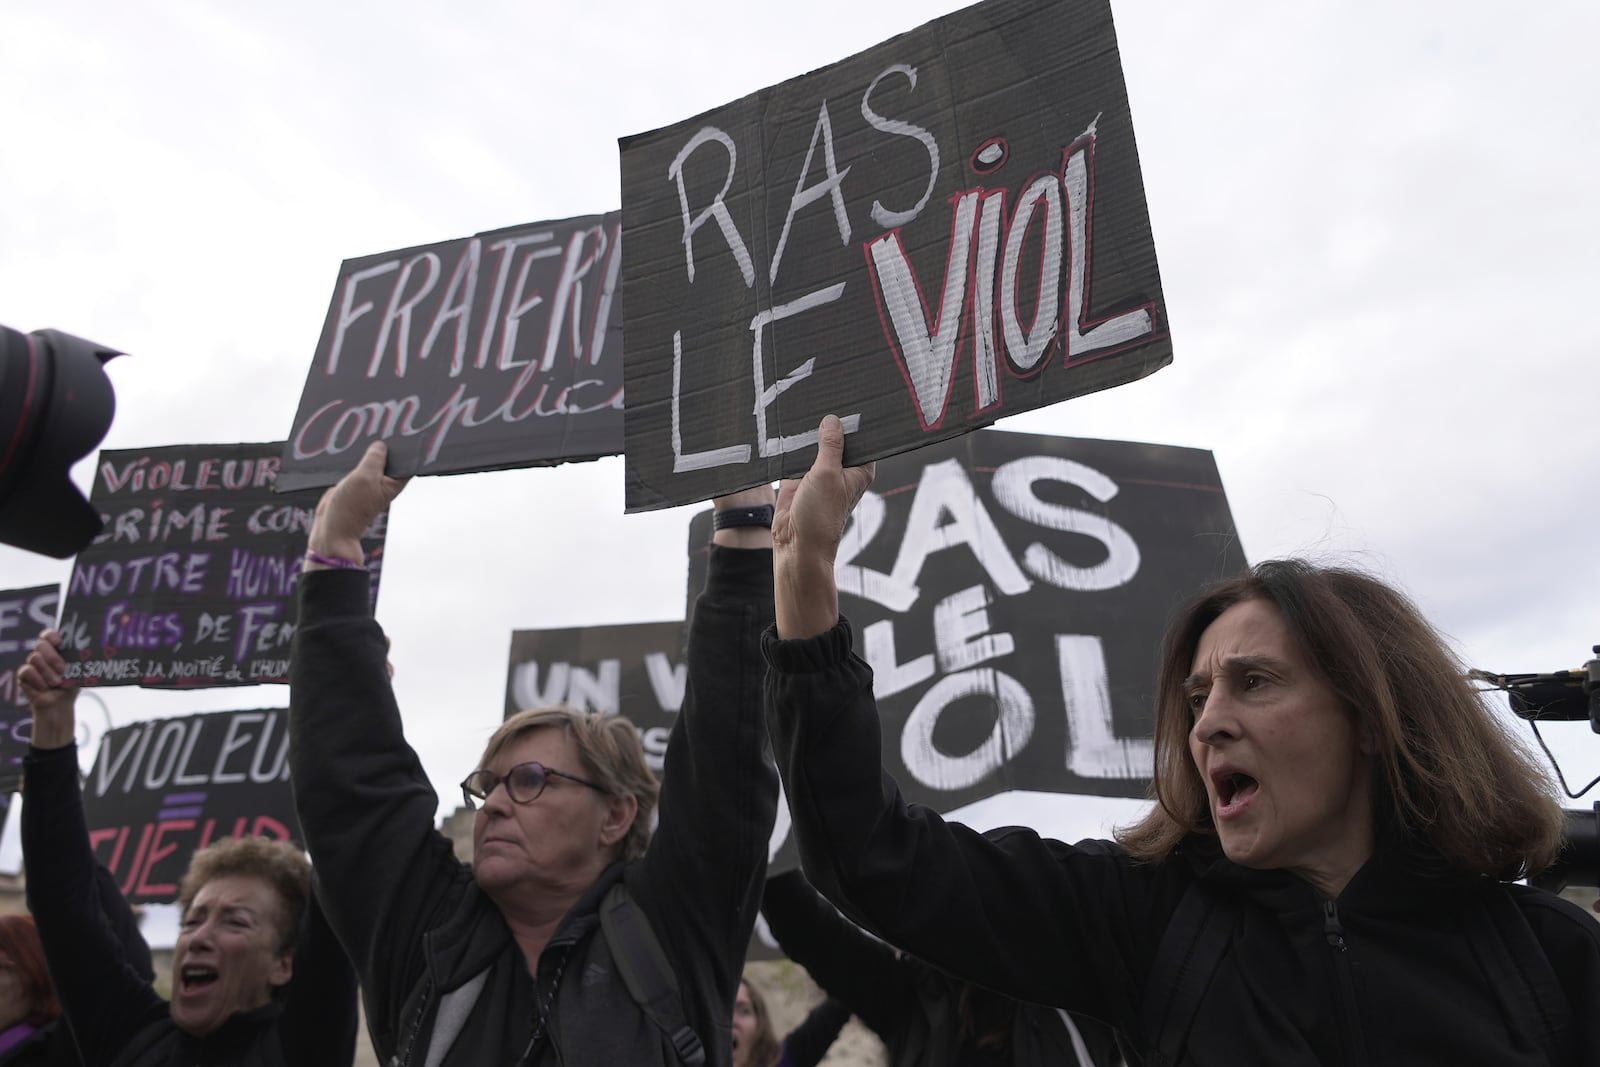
column 944, row 229
column 161, row 790
column 192, row 581
column 23, row 614
column 498, row 350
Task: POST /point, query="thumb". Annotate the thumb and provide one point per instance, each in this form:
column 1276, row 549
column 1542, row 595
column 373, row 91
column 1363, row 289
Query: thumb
column 830, row 443
column 374, row 459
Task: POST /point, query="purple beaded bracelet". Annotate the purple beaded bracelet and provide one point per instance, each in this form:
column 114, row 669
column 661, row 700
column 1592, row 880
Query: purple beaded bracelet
column 334, row 561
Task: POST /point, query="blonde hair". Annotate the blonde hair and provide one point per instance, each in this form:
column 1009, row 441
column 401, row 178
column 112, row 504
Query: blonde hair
column 612, row 758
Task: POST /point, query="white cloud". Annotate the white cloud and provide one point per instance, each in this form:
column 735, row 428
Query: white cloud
column 1375, row 225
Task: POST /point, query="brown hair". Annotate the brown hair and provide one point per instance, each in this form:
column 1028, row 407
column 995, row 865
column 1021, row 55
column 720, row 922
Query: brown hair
column 19, row 942
column 1449, row 776
column 766, row 1049
column 612, row 757
column 277, row 863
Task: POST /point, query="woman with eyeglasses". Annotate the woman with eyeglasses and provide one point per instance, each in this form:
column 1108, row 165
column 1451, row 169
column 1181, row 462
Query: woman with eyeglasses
column 511, row 960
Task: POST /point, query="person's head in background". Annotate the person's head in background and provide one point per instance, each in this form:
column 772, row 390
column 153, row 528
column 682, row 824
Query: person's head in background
column 242, row 902
column 755, row 1042
column 26, row 993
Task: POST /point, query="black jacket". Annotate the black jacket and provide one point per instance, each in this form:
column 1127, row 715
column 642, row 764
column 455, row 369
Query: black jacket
column 116, row 1015
column 913, row 1007
column 417, row 925
column 808, row 1043
column 1078, row 926
column 48, row 1046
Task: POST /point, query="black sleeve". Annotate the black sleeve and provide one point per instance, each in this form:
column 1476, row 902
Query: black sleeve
column 1009, row 910
column 119, row 914
column 385, row 873
column 700, row 880
column 851, row 966
column 319, row 1020
column 810, row 1041
column 105, row 1002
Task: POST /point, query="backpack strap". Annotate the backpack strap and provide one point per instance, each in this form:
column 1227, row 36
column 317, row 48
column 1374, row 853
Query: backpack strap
column 1194, row 943
column 1521, row 973
column 646, row 973
column 1079, row 1049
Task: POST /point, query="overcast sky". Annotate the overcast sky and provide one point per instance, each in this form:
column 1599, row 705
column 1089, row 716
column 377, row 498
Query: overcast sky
column 1376, row 226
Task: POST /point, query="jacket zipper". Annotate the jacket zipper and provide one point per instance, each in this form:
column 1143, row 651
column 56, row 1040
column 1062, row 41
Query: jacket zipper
column 1350, row 1019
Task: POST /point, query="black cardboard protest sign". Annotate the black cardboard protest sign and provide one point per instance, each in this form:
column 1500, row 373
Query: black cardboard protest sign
column 944, row 229
column 192, row 582
column 1010, row 592
column 163, row 789
column 499, row 350
column 633, row 669
column 23, row 614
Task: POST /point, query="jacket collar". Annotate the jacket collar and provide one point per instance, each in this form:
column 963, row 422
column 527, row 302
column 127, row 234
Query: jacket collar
column 475, row 934
column 1399, row 877
column 240, row 1031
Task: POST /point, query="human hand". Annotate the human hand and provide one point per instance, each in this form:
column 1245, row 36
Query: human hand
column 346, row 510
column 50, row 697
column 812, row 511
column 810, row 520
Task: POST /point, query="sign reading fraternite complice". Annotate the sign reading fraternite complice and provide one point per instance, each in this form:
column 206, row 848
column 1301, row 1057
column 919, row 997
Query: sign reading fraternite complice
column 503, row 349
column 944, row 229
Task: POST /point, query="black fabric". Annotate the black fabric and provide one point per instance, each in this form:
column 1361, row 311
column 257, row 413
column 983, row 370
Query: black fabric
column 124, row 923
column 1197, row 937
column 916, row 1009
column 1078, row 926
column 116, row 1016
column 409, row 912
column 646, row 972
column 48, row 1046
column 806, row 1044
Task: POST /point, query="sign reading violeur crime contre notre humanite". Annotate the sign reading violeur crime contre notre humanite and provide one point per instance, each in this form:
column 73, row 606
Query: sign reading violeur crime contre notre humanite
column 192, row 581
column 944, row 229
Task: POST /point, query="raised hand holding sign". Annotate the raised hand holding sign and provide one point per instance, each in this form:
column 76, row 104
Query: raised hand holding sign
column 50, row 696
column 811, row 516
column 348, row 508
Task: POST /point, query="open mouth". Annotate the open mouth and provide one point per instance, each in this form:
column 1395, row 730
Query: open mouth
column 194, row 979
column 1234, row 789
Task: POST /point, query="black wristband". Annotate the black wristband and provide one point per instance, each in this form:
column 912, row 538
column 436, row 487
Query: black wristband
column 730, row 518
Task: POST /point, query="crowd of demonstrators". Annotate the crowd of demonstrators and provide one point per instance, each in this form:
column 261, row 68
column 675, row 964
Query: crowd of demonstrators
column 258, row 978
column 756, row 1042
column 511, row 960
column 1326, row 877
column 925, row 1017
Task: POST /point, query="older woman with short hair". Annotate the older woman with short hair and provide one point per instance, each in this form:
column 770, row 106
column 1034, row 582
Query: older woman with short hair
column 511, row 960
column 1321, row 882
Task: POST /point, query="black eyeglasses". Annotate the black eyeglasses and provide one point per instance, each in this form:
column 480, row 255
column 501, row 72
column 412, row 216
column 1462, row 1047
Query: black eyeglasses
column 523, row 783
